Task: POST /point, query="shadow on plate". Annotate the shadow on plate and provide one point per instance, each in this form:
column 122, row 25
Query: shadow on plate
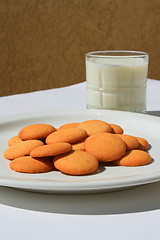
column 137, row 199
column 154, row 113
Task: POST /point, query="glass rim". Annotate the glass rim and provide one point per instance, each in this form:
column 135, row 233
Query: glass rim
column 101, row 54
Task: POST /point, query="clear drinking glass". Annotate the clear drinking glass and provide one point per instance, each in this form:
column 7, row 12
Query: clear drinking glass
column 117, row 80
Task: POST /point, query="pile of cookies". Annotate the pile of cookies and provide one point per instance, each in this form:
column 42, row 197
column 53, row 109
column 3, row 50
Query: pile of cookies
column 75, row 148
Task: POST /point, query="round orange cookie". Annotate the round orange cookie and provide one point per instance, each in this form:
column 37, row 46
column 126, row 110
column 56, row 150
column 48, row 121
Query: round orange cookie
column 130, row 141
column 76, row 163
column 134, row 158
column 105, row 146
column 36, row 131
column 95, row 126
column 14, row 140
column 28, row 164
column 22, row 148
column 51, row 150
column 116, row 128
column 69, row 125
column 69, row 135
column 143, row 144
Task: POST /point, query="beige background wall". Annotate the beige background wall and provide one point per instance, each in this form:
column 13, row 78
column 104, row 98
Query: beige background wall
column 43, row 42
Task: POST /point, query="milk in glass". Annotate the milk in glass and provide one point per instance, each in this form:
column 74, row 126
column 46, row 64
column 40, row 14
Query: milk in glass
column 116, row 83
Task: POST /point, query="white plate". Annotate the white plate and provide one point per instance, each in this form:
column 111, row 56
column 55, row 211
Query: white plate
column 108, row 179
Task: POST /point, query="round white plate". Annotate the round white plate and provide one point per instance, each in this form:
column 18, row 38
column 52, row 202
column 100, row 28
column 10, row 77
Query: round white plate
column 108, row 178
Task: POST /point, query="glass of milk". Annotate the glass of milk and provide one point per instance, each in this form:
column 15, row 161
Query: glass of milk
column 117, row 80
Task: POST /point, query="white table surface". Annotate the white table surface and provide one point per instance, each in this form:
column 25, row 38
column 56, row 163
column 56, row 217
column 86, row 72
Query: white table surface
column 128, row 214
